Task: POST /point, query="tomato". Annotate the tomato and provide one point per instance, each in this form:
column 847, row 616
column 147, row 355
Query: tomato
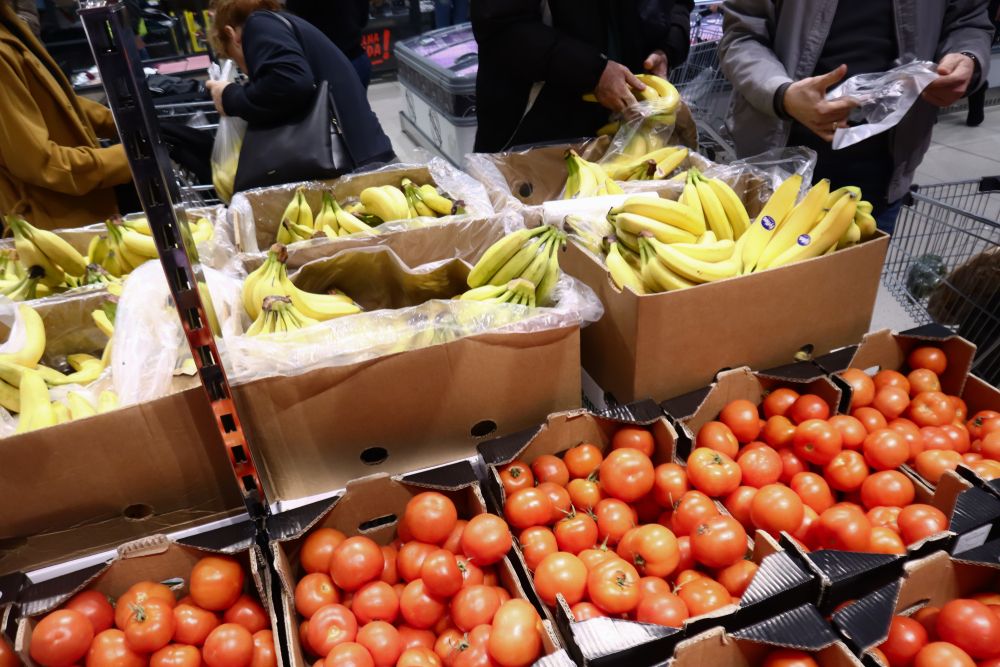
column 703, row 595
column 891, row 401
column 982, row 423
column 927, row 617
column 942, row 654
column 216, row 582
column 514, row 476
column 312, row 592
column 888, row 487
column 713, row 473
column 61, row 638
column 885, row 541
column 663, row 608
column 804, row 532
column 527, row 508
column 231, row 645
column 562, row 573
column 109, row 649
column 147, row 590
column 559, row 497
column 7, row 656
column 414, row 638
column 537, row 543
column 612, row 586
column 934, row 438
column 918, row 521
column 931, row 408
column 847, row 471
column 817, row 442
column 885, row 449
column 922, row 380
column 418, row 607
column 633, row 438
column 808, row 406
column 377, row 601
column 331, row 625
column 933, row 463
column 778, row 431
column 862, row 387
column 548, row 468
column 779, row 401
column 411, row 558
column 576, row 532
column 986, row 469
column 884, row 517
column 358, row 560
column 96, row 607
column 737, row 577
column 382, row 642
column 716, row 435
column 971, row 626
column 844, row 527
column 582, row 460
column 791, row 465
column 870, row 418
column 584, row 494
column 247, row 612
column 584, row 611
column 759, row 465
column 419, row 656
column 150, row 626
column 475, row 605
column 486, row 539
column 430, row 517
column 787, row 657
column 889, row 378
column 719, row 542
column 813, row 490
column 264, row 652
column 652, row 548
column 670, row 482
column 318, row 549
column 776, row 508
column 742, row 419
column 931, row 358
column 958, row 436
column 349, row 654
column 626, row 474
column 390, row 573
column 692, row 510
column 738, row 504
column 905, row 639
column 989, row 445
column 176, row 655
column 852, row 432
column 193, row 624
column 515, row 640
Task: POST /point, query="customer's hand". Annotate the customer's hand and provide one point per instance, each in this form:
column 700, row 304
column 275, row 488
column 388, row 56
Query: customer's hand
column 806, row 102
column 613, row 91
column 955, row 73
column 216, row 88
column 656, row 63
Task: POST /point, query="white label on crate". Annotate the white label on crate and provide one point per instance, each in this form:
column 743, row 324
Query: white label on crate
column 972, row 539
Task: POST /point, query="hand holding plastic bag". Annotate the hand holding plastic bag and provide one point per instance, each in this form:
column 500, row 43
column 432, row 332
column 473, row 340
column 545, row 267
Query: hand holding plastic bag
column 883, row 98
column 228, row 139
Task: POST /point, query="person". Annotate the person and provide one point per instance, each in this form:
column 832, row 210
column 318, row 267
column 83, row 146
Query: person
column 977, row 100
column 27, row 11
column 450, row 12
column 284, row 63
column 535, row 68
column 53, row 169
column 781, row 66
column 343, row 21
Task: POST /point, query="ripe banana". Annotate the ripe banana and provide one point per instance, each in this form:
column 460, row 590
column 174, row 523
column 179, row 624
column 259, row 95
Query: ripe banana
column 667, row 165
column 621, row 272
column 436, row 202
column 264, row 281
column 655, row 276
column 10, row 397
column 139, row 244
column 79, row 406
column 97, row 249
column 801, row 219
column 517, row 264
column 103, row 322
column 54, row 248
column 823, row 236
column 107, row 401
column 666, row 211
column 665, row 91
column 36, row 409
column 34, row 339
column 851, row 237
column 349, row 223
column 319, row 307
column 621, row 167
column 770, row 219
column 715, row 251
column 736, row 212
column 29, row 255
column 715, row 214
column 380, row 203
column 866, row 223
column 298, row 211
column 327, row 217
column 636, row 224
column 498, row 254
column 693, row 269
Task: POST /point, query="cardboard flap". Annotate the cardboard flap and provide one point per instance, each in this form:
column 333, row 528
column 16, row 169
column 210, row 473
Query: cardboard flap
column 612, row 641
column 887, row 350
column 865, row 622
column 640, row 412
column 450, row 476
column 800, row 628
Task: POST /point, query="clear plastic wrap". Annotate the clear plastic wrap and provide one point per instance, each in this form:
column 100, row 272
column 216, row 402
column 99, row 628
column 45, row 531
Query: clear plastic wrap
column 647, row 126
column 255, row 214
column 883, row 99
column 228, row 139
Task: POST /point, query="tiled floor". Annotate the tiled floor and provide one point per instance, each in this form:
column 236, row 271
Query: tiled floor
column 957, row 152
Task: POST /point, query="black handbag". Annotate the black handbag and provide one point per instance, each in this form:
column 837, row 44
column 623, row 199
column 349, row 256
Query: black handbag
column 308, row 147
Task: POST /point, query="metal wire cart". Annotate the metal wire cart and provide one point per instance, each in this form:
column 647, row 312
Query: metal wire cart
column 944, row 263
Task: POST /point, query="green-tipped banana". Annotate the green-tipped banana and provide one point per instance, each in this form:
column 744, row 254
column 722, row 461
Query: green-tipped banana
column 298, row 211
column 498, row 254
column 622, row 274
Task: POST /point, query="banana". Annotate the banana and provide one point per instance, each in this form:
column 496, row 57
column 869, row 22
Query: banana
column 484, row 293
column 437, row 202
column 523, row 291
column 539, row 264
column 717, row 251
column 694, row 269
column 655, row 276
column 572, row 189
column 620, row 168
column 327, row 217
column 498, row 254
column 264, row 281
column 588, row 181
column 55, row 249
column 61, row 412
column 551, row 276
column 866, row 223
column 865, row 207
column 521, row 260
column 665, row 91
column 835, row 195
column 628, row 240
column 736, row 212
column 715, row 214
column 10, row 397
column 667, row 165
column 666, row 211
column 28, row 288
column 350, row 223
column 609, row 129
column 52, row 377
column 103, row 323
column 298, row 210
column 850, row 237
column 29, row 255
column 621, row 273
column 381, row 204
column 140, row 225
column 36, row 410
column 636, row 224
column 707, row 237
column 139, row 244
column 79, row 406
column 320, row 307
column 107, row 401
column 769, row 220
column 34, row 336
column 821, row 237
column 690, row 198
column 801, row 219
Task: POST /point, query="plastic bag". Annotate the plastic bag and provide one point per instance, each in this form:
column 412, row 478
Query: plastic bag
column 642, row 129
column 228, row 139
column 883, row 99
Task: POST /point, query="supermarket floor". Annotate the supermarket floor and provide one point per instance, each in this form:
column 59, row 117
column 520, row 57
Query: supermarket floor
column 957, row 152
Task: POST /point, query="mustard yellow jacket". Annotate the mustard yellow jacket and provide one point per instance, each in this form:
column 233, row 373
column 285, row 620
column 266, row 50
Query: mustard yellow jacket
column 52, row 168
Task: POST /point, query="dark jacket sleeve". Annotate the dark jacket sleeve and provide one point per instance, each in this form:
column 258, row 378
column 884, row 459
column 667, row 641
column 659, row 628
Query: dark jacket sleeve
column 512, row 30
column 677, row 43
column 281, row 81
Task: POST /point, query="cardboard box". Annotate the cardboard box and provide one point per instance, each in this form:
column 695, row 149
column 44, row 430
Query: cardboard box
column 372, row 506
column 779, row 584
column 664, row 345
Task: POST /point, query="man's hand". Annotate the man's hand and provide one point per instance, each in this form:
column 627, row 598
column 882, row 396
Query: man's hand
column 613, row 91
column 657, row 64
column 956, row 71
column 805, row 101
column 216, row 88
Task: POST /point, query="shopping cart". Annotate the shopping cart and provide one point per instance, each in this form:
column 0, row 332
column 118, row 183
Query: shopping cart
column 943, row 263
column 196, row 114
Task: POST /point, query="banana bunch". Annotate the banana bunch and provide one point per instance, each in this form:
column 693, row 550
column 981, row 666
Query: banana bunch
column 201, row 231
column 587, row 179
column 528, row 254
column 270, row 279
column 717, row 204
column 123, row 250
column 657, row 90
column 519, row 292
column 657, row 164
column 387, row 202
column 669, row 221
column 588, row 231
column 279, row 315
column 51, row 253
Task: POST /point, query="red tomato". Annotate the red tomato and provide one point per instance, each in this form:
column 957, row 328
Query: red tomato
column 561, row 501
column 633, row 438
column 885, row 449
column 808, row 406
column 843, row 527
column 537, row 543
column 891, row 401
column 931, row 358
column 776, row 508
column 61, row 638
column 264, row 654
column 759, row 465
column 791, row 465
column 216, row 583
column 626, row 474
column 989, row 445
column 931, row 408
column 852, row 432
column 582, row 460
column 515, row 640
column 958, row 436
column 813, row 490
column 738, row 505
column 576, row 532
column 410, row 559
column 737, row 577
column 331, row 625
column 870, row 418
column 377, row 601
column 193, row 624
column 486, row 539
column 670, row 482
column 430, row 517
column 888, row 378
column 561, row 573
column 846, row 472
column 419, row 656
column 358, row 559
column 150, row 626
column 703, row 595
column 911, row 434
column 583, row 611
column 527, row 508
column 247, row 612
column 922, row 380
column 548, row 468
column 514, row 476
column 318, row 549
column 942, row 654
column 419, row 608
column 885, row 541
column 862, row 387
column 983, row 422
column 176, row 655
column 390, row 573
column 313, row 591
column 918, row 521
column 927, row 617
column 7, row 656
column 663, row 608
column 441, row 574
column 474, row 605
column 804, row 533
column 718, row 436
column 719, row 542
column 382, row 641
column 349, row 654
column 778, row 431
column 652, row 586
column 905, row 639
column 816, row 441
column 413, row 638
column 742, row 419
column 888, row 487
column 971, row 626
column 933, row 463
column 584, row 494
column 110, row 649
column 779, row 401
column 96, row 607
column 229, row 645
column 787, row 657
column 612, row 586
column 712, row 472
column 148, row 590
column 986, row 469
column 652, row 549
column 614, row 519
column 693, row 509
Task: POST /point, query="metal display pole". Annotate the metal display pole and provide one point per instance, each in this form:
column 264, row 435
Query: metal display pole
column 113, row 44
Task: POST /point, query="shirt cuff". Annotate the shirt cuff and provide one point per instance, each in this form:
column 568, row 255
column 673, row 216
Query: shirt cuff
column 779, row 101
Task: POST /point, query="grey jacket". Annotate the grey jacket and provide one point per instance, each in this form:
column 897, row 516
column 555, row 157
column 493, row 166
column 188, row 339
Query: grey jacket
column 764, row 47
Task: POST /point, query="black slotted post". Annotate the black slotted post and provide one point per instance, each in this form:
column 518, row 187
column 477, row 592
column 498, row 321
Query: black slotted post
column 113, row 44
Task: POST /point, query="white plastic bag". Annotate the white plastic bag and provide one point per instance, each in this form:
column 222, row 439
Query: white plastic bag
column 228, row 139
column 883, row 99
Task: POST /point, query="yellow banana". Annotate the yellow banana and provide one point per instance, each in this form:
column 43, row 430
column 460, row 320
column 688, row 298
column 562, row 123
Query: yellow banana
column 107, row 401
column 622, row 274
column 139, row 244
column 667, row 165
column 56, row 249
column 821, row 237
column 769, row 220
column 850, row 237
column 551, row 277
column 666, row 211
column 327, row 216
column 320, row 307
column 834, row 195
column 140, row 225
column 34, row 339
column 10, row 397
column 655, row 276
column 707, row 252
column 97, row 249
column 521, row 260
column 621, row 168
column 689, row 197
column 298, row 210
column 636, row 224
column 736, row 212
column 664, row 89
column 29, row 255
column 381, row 204
column 36, row 409
column 435, row 201
column 103, row 322
column 694, row 269
column 350, row 223
column 61, row 412
column 866, row 223
column 572, row 189
column 715, row 214
column 264, row 281
column 79, row 406
column 799, row 221
column 498, row 254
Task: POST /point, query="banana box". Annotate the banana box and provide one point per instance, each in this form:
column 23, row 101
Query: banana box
column 373, row 506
